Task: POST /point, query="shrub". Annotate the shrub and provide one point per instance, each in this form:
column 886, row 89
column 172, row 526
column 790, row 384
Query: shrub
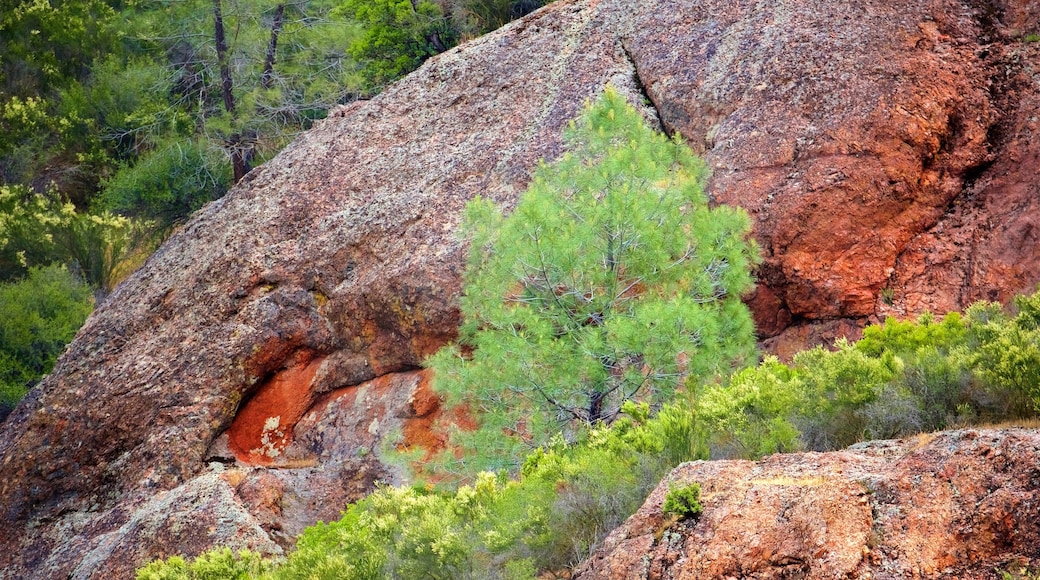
column 1006, row 353
column 684, row 501
column 218, row 564
column 168, row 183
column 751, row 415
column 42, row 229
column 40, row 315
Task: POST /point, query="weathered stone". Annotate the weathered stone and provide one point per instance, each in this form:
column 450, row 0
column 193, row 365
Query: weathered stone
column 886, row 152
column 961, row 504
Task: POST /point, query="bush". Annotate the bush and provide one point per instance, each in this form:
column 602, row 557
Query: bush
column 1006, row 353
column 684, row 501
column 167, row 184
column 218, row 564
column 40, row 315
column 39, row 230
column 751, row 415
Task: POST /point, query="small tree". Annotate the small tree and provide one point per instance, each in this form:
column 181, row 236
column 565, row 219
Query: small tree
column 611, row 281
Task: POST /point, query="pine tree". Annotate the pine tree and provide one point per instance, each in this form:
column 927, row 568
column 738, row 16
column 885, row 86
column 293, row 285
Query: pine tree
column 611, row 281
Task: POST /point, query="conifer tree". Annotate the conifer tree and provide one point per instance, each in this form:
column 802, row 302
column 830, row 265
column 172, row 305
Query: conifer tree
column 611, row 281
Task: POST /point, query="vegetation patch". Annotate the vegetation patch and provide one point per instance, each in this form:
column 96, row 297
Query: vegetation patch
column 683, row 501
column 594, row 369
column 611, row 282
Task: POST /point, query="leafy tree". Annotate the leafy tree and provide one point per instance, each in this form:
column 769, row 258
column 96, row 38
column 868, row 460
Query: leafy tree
column 39, row 315
column 611, row 281
column 399, row 35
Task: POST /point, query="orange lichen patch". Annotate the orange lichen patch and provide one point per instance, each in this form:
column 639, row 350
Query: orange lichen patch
column 263, row 428
column 425, row 345
column 424, row 401
column 427, row 426
column 419, row 430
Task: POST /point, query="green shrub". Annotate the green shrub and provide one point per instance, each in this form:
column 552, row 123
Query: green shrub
column 218, row 564
column 751, row 415
column 684, row 501
column 42, row 229
column 167, row 184
column 39, row 315
column 1005, row 353
column 399, row 35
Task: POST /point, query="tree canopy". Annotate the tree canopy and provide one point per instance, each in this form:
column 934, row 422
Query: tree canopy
column 611, row 281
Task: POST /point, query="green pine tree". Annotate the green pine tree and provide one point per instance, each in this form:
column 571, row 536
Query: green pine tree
column 611, row 281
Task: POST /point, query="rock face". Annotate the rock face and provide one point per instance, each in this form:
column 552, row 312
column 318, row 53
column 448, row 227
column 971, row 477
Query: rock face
column 259, row 361
column 962, row 504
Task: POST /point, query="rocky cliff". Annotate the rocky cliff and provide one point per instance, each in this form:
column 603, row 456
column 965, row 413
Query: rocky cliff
column 961, row 504
column 242, row 384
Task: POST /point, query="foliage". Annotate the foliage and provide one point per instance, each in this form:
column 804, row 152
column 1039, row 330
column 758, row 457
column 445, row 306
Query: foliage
column 45, row 44
column 611, row 281
column 37, row 230
column 167, row 184
column 39, row 315
column 903, row 377
column 218, row 564
column 751, row 415
column 683, row 501
column 399, row 35
column 838, row 386
column 1006, row 353
column 475, row 17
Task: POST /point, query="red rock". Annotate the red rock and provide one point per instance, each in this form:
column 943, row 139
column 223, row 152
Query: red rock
column 263, row 426
column 886, row 152
column 961, row 504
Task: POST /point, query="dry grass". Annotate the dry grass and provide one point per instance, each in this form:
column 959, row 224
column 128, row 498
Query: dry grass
column 791, row 481
column 1026, row 423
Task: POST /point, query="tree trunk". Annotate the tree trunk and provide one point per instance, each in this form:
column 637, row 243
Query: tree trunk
column 222, row 59
column 239, row 148
column 435, row 40
column 595, row 410
column 267, row 78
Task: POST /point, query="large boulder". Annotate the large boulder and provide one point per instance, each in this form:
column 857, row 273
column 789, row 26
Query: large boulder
column 256, row 367
column 961, row 504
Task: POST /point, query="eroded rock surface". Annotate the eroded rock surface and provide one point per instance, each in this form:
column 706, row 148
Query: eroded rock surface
column 961, row 504
column 887, row 152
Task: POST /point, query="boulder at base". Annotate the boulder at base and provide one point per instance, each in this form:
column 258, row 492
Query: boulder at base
column 961, row 504
column 255, row 369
